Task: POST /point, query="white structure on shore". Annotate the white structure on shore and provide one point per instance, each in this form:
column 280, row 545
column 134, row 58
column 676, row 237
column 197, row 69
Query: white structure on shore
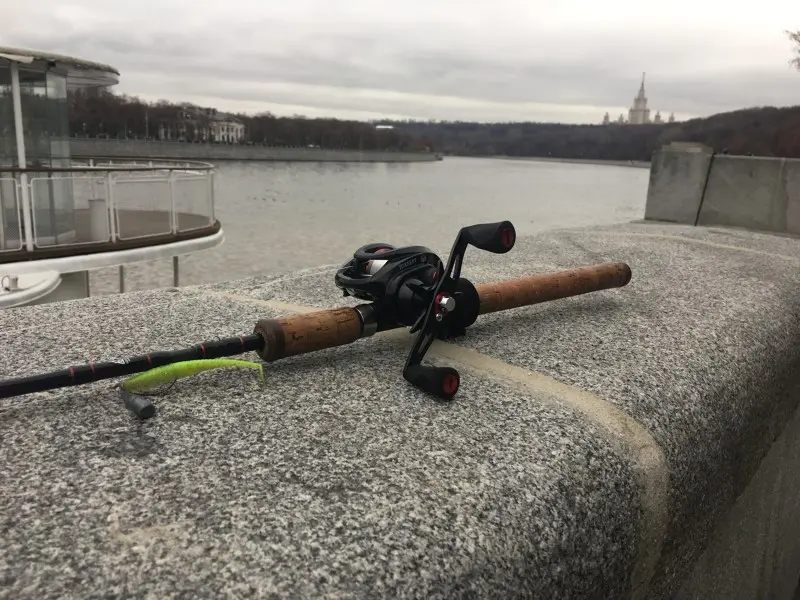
column 62, row 216
column 639, row 112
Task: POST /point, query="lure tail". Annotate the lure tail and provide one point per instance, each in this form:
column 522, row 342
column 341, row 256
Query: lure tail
column 170, row 373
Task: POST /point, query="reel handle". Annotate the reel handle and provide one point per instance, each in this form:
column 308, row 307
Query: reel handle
column 498, row 237
column 441, row 382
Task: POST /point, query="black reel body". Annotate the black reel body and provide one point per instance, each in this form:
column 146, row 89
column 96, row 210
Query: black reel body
column 397, row 280
column 411, row 287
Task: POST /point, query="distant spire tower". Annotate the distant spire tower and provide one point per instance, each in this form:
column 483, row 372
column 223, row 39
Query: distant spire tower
column 639, row 113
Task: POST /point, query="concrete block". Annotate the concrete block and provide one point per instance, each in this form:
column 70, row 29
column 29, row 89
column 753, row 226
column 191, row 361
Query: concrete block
column 746, row 191
column 791, row 187
column 753, row 192
column 677, row 180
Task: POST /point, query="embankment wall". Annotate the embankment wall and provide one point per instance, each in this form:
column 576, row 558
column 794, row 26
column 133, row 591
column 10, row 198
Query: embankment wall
column 85, row 147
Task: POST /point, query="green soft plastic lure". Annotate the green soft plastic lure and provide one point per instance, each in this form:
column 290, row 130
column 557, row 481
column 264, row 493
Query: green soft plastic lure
column 169, row 374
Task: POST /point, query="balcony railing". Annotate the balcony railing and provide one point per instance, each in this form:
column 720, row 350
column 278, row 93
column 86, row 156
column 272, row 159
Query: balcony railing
column 97, row 206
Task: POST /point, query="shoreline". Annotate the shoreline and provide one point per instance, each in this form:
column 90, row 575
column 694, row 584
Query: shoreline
column 638, row 164
column 147, row 149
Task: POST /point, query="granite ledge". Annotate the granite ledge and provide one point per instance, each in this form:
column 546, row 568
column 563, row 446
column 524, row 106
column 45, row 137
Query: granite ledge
column 684, row 350
column 337, row 480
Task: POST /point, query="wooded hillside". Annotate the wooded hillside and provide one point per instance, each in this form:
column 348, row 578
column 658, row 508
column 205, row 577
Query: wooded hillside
column 764, row 131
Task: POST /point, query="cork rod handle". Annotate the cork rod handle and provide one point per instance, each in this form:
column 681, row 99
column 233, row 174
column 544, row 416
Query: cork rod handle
column 535, row 289
column 309, row 332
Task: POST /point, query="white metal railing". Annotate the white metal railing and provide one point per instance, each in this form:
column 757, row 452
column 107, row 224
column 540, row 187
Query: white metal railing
column 105, row 202
column 11, row 237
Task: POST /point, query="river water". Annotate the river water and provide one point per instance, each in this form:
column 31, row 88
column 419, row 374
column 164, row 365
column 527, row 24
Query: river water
column 280, row 217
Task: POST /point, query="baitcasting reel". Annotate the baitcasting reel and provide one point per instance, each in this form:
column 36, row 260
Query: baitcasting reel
column 410, row 286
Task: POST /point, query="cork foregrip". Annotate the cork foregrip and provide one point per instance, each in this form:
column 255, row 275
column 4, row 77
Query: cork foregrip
column 551, row 286
column 308, row 332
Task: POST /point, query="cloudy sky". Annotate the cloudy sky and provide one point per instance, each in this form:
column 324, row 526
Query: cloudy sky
column 484, row 60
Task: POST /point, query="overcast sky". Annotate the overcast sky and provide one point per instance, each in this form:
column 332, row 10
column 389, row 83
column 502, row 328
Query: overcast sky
column 485, row 60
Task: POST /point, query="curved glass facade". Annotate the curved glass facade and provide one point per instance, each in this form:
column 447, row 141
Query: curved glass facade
column 45, row 126
column 10, row 218
column 45, row 122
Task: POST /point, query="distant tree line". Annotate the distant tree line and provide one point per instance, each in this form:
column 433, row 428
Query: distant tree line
column 103, row 113
column 763, row 131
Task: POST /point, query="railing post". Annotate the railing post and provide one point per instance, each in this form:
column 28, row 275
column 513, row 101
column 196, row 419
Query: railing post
column 112, row 209
column 2, row 210
column 173, row 217
column 211, row 195
column 175, row 271
column 16, row 99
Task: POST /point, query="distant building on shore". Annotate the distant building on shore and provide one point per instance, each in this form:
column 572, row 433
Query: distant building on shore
column 196, row 123
column 639, row 113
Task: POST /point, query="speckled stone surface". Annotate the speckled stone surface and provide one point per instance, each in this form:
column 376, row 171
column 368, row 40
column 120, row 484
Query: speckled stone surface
column 774, row 243
column 701, row 348
column 336, row 480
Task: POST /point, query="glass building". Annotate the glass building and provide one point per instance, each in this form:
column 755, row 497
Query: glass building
column 62, row 216
column 34, row 133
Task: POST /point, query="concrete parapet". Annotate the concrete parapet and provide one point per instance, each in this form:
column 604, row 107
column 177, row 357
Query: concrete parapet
column 753, row 192
column 90, row 147
column 603, row 446
column 689, row 185
column 677, row 182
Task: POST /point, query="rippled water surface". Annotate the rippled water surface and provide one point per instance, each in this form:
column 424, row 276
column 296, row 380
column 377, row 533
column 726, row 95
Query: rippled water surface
column 280, row 217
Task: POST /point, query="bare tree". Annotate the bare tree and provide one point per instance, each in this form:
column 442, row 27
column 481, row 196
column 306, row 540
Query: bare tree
column 794, row 36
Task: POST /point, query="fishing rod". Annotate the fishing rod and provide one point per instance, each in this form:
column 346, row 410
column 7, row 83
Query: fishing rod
column 402, row 287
